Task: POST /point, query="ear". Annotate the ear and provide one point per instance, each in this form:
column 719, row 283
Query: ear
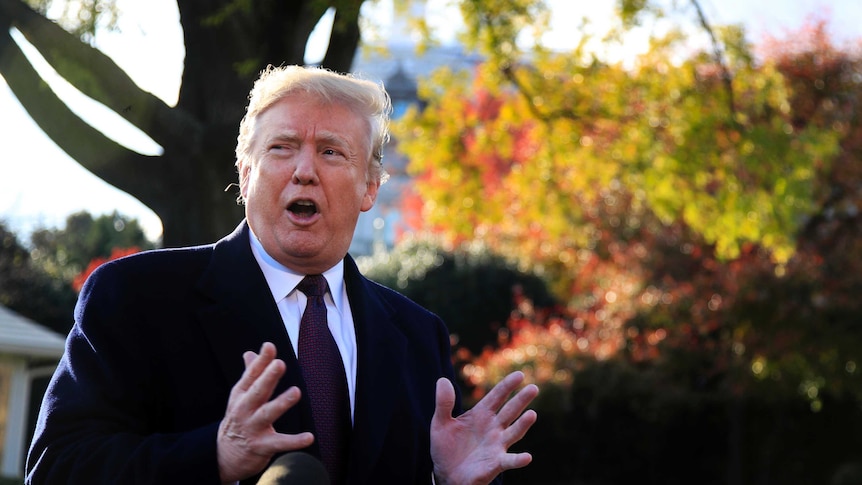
column 371, row 189
column 243, row 168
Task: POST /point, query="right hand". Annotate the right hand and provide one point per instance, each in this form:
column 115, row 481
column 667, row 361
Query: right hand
column 246, row 439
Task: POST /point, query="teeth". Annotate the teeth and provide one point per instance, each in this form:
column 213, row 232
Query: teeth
column 305, row 203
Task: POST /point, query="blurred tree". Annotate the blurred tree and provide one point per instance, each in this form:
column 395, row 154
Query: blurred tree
column 28, row 289
column 470, row 288
column 665, row 334
column 789, row 328
column 539, row 143
column 66, row 252
column 737, row 369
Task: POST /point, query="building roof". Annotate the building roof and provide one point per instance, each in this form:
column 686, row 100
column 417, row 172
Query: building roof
column 400, row 85
column 22, row 336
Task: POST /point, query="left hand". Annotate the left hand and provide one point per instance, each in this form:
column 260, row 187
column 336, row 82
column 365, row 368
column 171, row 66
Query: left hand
column 472, row 449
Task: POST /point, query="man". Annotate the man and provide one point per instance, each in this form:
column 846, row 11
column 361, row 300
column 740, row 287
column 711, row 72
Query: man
column 188, row 365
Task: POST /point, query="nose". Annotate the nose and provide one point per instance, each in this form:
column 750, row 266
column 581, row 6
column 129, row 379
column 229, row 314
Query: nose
column 305, row 168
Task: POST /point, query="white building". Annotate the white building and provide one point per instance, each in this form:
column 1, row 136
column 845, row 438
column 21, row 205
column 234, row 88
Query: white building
column 27, row 351
column 399, row 67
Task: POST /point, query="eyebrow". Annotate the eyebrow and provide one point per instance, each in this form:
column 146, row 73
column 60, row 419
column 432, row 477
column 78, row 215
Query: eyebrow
column 332, row 138
column 289, row 136
column 322, row 137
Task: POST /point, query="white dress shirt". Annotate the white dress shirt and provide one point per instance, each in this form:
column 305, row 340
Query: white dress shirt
column 291, row 302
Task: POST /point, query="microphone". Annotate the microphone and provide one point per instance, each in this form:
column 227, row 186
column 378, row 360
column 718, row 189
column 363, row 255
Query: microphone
column 295, row 468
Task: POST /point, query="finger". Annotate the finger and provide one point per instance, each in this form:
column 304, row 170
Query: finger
column 519, row 428
column 254, row 369
column 268, row 350
column 445, row 401
column 269, row 412
column 516, row 406
column 262, row 388
column 499, row 393
column 510, row 461
column 248, row 358
column 278, row 442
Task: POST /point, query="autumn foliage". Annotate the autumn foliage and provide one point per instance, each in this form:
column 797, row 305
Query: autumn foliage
column 116, row 253
column 704, row 238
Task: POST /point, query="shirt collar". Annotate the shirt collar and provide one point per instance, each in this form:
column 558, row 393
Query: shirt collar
column 282, row 280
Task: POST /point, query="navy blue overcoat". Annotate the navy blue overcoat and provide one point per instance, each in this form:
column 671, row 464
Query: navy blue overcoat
column 157, row 344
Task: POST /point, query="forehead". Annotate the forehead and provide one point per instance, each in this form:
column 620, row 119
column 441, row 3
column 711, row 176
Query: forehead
column 309, row 111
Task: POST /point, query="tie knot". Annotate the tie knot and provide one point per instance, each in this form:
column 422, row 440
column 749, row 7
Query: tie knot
column 313, row 285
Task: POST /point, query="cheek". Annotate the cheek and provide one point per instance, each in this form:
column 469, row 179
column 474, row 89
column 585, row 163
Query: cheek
column 266, row 181
column 252, row 186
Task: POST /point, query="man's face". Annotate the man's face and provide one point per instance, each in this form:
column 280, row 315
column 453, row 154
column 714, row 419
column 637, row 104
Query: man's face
column 307, row 181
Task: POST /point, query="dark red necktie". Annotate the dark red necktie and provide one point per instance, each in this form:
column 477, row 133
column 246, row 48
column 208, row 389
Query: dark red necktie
column 326, row 382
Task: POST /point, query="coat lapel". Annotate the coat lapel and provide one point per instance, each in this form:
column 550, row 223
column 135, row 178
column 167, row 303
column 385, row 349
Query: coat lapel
column 381, row 354
column 242, row 316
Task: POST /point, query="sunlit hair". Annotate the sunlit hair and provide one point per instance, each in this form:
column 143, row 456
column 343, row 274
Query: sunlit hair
column 364, row 97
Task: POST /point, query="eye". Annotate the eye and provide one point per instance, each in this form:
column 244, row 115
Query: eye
column 280, row 144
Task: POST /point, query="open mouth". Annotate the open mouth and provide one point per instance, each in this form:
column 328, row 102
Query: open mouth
column 303, row 208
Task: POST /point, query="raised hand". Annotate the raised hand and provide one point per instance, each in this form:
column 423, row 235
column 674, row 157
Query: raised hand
column 246, row 439
column 473, row 448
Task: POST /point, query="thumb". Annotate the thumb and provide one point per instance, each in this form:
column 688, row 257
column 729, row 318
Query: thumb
column 445, row 402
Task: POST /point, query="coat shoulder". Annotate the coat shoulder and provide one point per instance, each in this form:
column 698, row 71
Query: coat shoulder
column 160, row 264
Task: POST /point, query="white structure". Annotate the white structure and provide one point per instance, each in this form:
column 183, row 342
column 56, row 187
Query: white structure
column 399, row 67
column 27, row 351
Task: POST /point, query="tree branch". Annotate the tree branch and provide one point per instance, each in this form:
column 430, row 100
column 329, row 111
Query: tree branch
column 529, row 98
column 92, row 149
column 718, row 54
column 97, row 76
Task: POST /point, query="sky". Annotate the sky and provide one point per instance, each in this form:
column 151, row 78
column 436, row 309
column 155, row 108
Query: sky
column 44, row 185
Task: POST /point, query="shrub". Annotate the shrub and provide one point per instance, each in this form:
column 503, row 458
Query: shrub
column 470, row 288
